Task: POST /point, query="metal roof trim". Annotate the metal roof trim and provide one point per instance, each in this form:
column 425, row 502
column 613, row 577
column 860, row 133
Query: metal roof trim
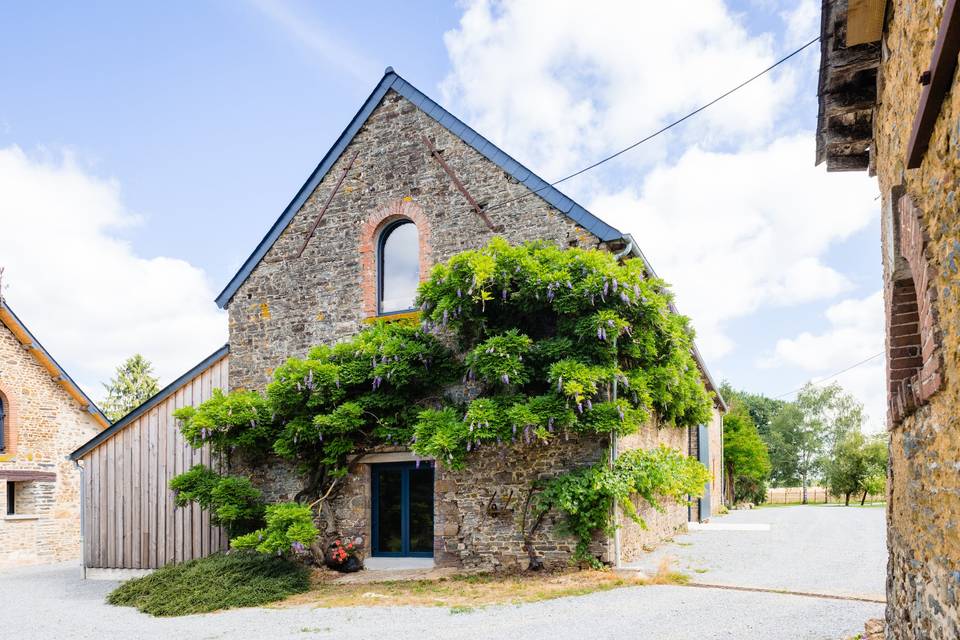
column 157, row 398
column 7, row 316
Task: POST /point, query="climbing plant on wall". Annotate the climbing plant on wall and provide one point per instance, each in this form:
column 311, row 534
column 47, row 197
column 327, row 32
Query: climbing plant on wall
column 515, row 345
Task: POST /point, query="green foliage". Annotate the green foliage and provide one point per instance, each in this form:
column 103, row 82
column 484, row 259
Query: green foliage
column 289, row 529
column 543, row 342
column 232, row 501
column 240, row 419
column 745, row 457
column 586, row 496
column 133, row 385
column 761, row 408
column 220, row 581
column 857, row 465
column 805, row 432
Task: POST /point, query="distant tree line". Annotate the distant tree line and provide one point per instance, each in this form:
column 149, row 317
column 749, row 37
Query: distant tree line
column 816, row 438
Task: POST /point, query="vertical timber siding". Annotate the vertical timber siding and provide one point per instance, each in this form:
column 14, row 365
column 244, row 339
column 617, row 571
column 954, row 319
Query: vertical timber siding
column 130, row 520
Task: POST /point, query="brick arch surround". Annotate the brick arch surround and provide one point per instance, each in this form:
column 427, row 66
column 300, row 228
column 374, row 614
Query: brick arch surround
column 914, row 354
column 11, row 410
column 369, row 235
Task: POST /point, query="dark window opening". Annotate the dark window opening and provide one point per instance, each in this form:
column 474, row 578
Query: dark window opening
column 398, row 269
column 11, row 498
column 3, row 433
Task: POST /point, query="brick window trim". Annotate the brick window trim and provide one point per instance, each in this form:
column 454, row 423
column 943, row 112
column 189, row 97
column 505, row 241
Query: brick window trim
column 370, row 230
column 11, row 412
column 914, row 338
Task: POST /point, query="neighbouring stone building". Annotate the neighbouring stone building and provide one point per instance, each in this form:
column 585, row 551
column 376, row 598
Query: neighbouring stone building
column 406, row 186
column 43, row 416
column 889, row 104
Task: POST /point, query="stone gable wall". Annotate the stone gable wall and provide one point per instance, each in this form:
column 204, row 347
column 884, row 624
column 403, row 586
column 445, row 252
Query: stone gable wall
column 289, row 304
column 47, row 425
column 923, row 512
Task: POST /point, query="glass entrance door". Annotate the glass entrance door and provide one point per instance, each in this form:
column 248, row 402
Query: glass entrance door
column 402, row 509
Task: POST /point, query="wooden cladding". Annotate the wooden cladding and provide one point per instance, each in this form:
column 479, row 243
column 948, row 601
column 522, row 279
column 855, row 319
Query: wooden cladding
column 130, row 519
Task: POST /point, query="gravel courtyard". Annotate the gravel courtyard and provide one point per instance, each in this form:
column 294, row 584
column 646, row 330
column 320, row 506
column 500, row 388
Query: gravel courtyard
column 823, row 549
column 818, row 549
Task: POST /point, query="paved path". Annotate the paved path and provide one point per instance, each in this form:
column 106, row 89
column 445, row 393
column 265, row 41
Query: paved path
column 820, row 549
column 52, row 602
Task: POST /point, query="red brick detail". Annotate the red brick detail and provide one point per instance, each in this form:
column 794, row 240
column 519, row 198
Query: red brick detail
column 11, row 411
column 914, row 339
column 369, row 239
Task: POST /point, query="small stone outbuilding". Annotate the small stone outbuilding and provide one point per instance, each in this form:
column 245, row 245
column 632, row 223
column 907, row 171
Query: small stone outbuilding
column 44, row 415
column 406, row 185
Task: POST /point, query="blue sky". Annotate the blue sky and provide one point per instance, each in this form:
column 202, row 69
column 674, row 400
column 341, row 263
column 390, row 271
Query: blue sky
column 149, row 147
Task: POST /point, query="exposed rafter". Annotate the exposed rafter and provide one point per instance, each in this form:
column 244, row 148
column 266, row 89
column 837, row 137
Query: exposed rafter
column 847, row 93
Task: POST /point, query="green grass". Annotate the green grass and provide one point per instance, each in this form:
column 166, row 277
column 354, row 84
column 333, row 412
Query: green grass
column 220, row 581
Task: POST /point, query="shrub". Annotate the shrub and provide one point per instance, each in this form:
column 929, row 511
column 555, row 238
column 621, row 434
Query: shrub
column 220, row 581
column 290, row 529
column 232, row 501
column 586, row 497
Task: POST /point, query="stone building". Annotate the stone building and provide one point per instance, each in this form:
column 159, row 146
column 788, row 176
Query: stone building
column 887, row 105
column 43, row 416
column 407, row 185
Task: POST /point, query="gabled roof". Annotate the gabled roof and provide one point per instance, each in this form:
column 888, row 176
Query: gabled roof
column 391, row 80
column 31, row 344
column 156, row 399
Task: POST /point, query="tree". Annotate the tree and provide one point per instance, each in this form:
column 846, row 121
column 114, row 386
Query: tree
column 761, row 408
column 857, row 464
column 846, row 468
column 745, row 458
column 876, row 454
column 806, row 431
column 133, row 385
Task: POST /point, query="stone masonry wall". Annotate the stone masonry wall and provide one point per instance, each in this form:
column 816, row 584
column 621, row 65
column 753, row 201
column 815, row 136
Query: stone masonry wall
column 634, row 539
column 47, row 424
column 289, row 304
column 923, row 512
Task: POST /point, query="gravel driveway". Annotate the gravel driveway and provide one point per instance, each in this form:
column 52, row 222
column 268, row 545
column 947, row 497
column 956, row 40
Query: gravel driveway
column 819, row 549
column 54, row 603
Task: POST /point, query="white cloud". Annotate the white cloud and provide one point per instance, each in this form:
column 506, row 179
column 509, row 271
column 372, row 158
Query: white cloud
column 855, row 333
column 82, row 290
column 561, row 86
column 738, row 232
column 802, row 21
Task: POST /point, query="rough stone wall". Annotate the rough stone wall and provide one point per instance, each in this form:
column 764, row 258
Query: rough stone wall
column 289, row 304
column 923, row 513
column 479, row 510
column 634, row 539
column 47, row 424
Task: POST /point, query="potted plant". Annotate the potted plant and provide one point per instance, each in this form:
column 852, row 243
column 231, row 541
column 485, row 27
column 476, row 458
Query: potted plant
column 343, row 556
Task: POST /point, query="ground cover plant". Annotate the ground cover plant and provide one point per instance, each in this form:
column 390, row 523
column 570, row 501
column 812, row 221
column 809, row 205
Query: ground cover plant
column 516, row 346
column 220, row 581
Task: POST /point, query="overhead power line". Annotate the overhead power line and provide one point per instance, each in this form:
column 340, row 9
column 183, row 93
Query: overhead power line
column 832, row 376
column 658, row 132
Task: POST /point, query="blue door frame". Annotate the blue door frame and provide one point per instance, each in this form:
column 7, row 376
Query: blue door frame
column 703, row 446
column 404, row 468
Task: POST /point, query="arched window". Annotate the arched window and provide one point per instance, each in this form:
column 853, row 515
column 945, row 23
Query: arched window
column 398, row 272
